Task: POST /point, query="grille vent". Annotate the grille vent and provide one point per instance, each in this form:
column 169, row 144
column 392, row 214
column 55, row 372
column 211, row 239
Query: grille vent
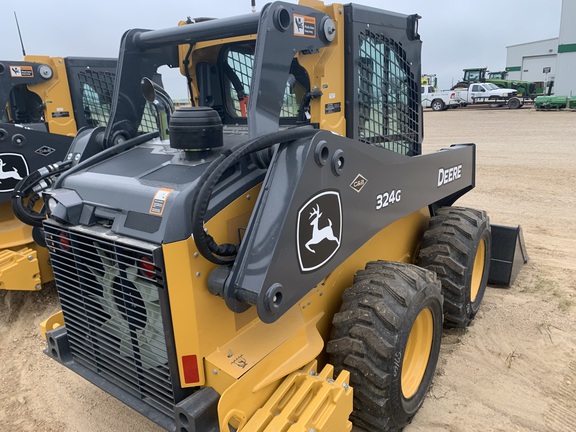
column 110, row 296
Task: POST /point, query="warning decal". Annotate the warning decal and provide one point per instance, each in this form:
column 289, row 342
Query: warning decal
column 21, row 71
column 159, row 201
column 304, row 26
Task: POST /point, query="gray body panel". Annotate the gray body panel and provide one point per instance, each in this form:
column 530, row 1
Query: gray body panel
column 268, row 264
column 24, row 150
column 120, row 191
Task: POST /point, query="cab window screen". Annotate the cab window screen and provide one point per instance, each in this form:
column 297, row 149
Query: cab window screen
column 238, row 71
column 388, row 116
column 97, row 88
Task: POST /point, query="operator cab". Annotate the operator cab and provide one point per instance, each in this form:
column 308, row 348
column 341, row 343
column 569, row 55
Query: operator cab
column 224, row 84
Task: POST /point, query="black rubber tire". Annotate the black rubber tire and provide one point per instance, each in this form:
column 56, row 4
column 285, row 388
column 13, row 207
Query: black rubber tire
column 370, row 335
column 457, row 247
column 514, row 103
column 437, row 105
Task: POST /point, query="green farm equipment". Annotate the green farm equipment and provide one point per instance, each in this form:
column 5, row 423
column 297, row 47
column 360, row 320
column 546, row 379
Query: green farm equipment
column 525, row 89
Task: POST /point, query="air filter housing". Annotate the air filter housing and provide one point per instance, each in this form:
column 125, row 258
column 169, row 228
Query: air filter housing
column 195, row 130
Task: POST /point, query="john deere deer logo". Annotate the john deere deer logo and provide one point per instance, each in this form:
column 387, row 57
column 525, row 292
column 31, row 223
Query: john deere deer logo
column 13, row 168
column 319, row 230
column 10, row 174
column 318, row 235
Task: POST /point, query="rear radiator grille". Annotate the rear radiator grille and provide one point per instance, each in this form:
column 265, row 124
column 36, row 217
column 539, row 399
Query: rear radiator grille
column 110, row 296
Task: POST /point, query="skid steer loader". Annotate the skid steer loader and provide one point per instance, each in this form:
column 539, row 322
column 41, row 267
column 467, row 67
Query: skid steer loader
column 44, row 102
column 285, row 260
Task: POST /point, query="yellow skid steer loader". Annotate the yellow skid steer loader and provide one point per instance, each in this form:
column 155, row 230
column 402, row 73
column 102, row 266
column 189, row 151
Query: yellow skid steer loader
column 283, row 257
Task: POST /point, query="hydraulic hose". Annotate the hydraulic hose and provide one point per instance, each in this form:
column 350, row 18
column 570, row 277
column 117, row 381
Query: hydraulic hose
column 32, row 184
column 225, row 254
column 40, row 179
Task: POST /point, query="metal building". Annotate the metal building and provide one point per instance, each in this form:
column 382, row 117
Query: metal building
column 549, row 59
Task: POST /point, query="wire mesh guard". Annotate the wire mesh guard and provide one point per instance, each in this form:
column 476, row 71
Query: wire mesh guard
column 97, row 89
column 109, row 294
column 242, row 64
column 387, row 95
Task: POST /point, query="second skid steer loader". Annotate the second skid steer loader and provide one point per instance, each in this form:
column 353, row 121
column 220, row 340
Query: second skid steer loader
column 44, row 102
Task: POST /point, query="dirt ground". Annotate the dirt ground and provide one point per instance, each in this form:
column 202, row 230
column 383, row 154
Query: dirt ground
column 514, row 369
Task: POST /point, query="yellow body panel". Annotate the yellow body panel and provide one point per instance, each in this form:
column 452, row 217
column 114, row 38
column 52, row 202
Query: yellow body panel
column 55, row 93
column 24, row 265
column 326, row 72
column 242, row 358
column 239, row 401
column 13, row 233
column 193, row 308
column 233, row 358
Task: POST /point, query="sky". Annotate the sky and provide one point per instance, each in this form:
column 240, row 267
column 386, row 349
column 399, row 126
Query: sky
column 456, row 34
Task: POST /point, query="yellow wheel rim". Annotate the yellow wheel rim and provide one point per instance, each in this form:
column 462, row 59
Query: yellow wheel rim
column 417, row 353
column 478, row 270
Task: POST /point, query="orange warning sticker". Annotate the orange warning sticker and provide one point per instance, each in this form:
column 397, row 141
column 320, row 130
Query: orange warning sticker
column 21, row 71
column 304, row 26
column 159, row 201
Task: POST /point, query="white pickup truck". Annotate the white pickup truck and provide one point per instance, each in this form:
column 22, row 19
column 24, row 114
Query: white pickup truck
column 441, row 100
column 488, row 93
